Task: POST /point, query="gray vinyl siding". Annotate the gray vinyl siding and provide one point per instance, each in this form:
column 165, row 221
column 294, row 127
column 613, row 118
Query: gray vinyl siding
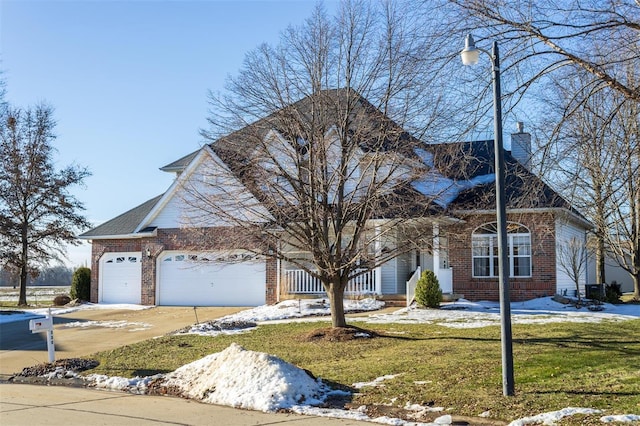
column 389, row 277
column 403, row 269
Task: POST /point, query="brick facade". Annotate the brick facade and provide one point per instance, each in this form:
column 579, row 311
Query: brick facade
column 543, row 259
column 541, row 283
column 213, row 239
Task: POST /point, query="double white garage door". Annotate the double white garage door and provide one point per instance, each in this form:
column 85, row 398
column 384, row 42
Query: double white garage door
column 186, row 279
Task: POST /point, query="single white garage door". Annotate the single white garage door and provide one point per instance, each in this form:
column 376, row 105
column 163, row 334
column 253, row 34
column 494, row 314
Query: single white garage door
column 121, row 277
column 211, row 279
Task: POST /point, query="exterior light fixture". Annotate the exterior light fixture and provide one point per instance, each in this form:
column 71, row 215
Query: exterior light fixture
column 470, row 56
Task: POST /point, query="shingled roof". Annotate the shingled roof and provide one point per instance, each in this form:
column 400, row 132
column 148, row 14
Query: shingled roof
column 376, row 131
column 470, row 161
column 125, row 224
column 460, row 175
column 180, row 164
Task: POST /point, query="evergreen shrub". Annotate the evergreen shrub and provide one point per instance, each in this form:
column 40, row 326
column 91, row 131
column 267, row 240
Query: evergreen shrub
column 613, row 292
column 428, row 293
column 81, row 284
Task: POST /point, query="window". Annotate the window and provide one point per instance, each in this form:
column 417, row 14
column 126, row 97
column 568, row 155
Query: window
column 484, row 243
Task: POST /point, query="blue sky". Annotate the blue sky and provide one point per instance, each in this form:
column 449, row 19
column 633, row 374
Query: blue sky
column 128, row 81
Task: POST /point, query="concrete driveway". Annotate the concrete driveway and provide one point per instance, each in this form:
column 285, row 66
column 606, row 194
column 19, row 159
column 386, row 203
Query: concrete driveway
column 86, row 331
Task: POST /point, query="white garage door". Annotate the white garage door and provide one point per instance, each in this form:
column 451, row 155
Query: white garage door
column 121, row 277
column 211, row 279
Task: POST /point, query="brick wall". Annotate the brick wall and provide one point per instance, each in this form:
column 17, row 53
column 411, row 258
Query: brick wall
column 543, row 279
column 170, row 239
column 99, row 248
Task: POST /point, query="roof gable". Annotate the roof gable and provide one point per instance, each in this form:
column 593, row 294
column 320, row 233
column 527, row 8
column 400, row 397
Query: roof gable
column 206, row 182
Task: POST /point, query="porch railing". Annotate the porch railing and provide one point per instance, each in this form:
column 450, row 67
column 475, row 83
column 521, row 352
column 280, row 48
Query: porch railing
column 411, row 286
column 298, row 281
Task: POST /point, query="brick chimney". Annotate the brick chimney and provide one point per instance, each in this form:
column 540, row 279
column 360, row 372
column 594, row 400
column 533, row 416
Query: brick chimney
column 521, row 145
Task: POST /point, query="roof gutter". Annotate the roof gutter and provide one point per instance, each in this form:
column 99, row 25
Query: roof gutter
column 558, row 210
column 132, row 236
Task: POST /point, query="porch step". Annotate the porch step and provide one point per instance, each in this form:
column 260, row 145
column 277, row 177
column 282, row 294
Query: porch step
column 399, row 300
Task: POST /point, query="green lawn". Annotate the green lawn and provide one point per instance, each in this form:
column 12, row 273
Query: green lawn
column 556, row 366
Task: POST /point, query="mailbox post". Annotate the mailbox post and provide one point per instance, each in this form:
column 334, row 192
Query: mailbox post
column 45, row 324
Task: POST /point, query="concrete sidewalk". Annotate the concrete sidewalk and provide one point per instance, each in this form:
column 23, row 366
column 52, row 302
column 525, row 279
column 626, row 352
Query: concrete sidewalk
column 51, row 406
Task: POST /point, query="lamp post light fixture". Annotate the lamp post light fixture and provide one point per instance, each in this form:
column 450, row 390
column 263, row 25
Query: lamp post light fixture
column 470, row 56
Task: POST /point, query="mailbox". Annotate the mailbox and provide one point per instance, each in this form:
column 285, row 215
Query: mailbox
column 41, row 324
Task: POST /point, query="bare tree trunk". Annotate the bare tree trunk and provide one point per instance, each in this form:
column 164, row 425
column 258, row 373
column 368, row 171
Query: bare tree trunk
column 24, row 273
column 336, row 299
column 600, row 259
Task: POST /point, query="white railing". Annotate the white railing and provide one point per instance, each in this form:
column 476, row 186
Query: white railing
column 298, row 281
column 411, row 286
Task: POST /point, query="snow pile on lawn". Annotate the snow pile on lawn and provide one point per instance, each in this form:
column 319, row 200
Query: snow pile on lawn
column 247, row 379
column 258, row 381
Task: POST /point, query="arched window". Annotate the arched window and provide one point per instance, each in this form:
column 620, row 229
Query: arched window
column 484, row 242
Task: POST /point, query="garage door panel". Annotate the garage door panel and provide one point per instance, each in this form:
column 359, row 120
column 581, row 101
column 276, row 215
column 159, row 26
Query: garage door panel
column 185, row 279
column 121, row 275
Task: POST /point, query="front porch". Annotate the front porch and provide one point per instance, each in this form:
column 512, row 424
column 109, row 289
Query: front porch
column 396, row 277
column 298, row 283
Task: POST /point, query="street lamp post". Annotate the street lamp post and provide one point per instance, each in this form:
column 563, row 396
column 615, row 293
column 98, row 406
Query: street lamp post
column 470, row 55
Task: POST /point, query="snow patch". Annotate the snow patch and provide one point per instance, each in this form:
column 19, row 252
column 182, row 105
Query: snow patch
column 283, row 311
column 466, row 314
column 552, row 417
column 137, row 385
column 138, row 326
column 444, row 190
column 625, row 418
column 377, row 382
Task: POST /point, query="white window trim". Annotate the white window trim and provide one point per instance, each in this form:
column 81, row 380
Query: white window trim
column 491, row 238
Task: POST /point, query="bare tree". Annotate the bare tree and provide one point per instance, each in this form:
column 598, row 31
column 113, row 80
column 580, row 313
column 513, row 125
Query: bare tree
column 591, row 49
column 623, row 238
column 322, row 149
column 3, row 92
column 595, row 157
column 582, row 155
column 597, row 36
column 572, row 259
column 37, row 213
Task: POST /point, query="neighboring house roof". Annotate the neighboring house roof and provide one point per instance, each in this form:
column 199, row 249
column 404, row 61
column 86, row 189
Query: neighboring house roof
column 125, row 224
column 180, row 164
